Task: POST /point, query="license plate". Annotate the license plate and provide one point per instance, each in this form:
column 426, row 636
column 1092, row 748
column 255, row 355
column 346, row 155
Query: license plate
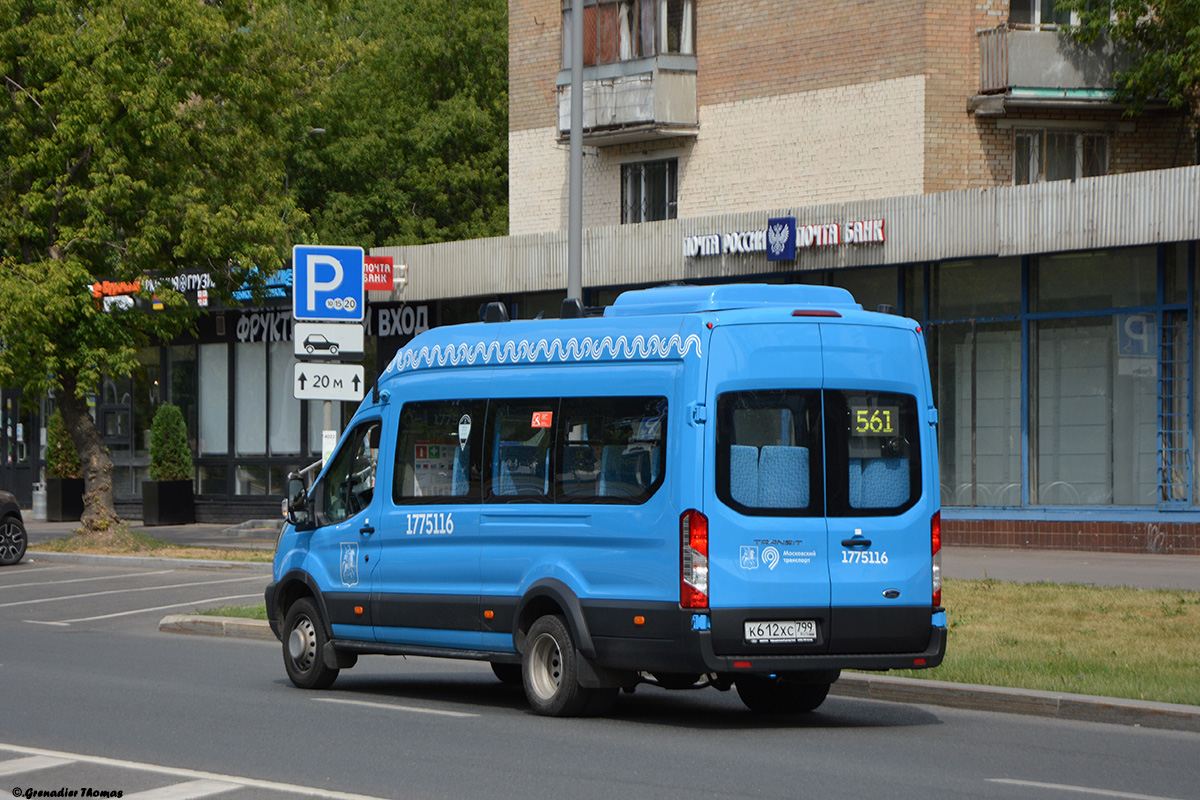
column 781, row 631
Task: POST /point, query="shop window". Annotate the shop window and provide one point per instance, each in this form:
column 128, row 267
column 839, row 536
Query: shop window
column 622, row 30
column 1094, row 281
column 649, row 190
column 1094, row 412
column 214, row 399
column 977, row 288
column 250, row 407
column 977, row 374
column 1054, row 155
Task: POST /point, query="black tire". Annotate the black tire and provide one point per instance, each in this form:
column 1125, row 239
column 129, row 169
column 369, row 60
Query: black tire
column 13, row 541
column 549, row 670
column 776, row 696
column 304, row 640
column 509, row 674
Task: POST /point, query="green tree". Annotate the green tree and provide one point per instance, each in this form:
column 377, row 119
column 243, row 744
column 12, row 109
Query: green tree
column 1162, row 38
column 417, row 143
column 62, row 460
column 138, row 139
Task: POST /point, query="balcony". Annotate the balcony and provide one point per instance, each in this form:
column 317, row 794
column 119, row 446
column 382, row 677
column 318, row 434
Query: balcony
column 1042, row 68
column 633, row 101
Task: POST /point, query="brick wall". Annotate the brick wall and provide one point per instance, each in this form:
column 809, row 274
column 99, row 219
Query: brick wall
column 1112, row 537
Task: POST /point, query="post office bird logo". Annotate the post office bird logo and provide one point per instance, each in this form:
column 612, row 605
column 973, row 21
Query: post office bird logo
column 777, row 237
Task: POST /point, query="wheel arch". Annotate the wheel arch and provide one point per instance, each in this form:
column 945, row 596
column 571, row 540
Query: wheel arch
column 292, row 587
column 552, row 596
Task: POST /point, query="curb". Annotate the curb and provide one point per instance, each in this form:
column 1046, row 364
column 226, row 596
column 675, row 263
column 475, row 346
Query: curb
column 917, row 691
column 146, row 561
column 217, row 626
column 1030, row 702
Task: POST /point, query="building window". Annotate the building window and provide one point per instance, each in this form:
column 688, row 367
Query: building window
column 1038, row 13
column 1053, row 155
column 622, row 30
column 649, row 190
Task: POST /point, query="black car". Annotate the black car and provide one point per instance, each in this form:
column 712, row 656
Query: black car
column 12, row 530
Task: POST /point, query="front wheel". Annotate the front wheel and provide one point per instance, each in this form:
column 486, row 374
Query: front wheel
column 549, row 670
column 13, row 541
column 303, row 642
column 778, row 696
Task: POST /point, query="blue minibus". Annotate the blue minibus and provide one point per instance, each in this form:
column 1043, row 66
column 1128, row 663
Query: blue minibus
column 732, row 486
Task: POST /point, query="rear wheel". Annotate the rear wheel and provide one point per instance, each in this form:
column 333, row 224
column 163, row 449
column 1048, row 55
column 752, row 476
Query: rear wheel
column 777, row 696
column 550, row 671
column 303, row 642
column 13, row 541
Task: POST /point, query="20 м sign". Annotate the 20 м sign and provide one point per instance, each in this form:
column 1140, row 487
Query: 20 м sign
column 327, row 284
column 327, row 381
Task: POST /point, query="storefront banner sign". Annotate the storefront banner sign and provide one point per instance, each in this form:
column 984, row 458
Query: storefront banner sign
column 783, row 236
column 377, row 275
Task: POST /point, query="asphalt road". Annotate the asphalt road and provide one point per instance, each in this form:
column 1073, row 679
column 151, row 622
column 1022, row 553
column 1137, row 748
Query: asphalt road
column 86, row 676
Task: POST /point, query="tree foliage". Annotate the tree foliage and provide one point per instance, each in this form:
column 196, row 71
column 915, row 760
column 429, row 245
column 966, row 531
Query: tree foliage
column 138, row 139
column 417, row 142
column 1162, row 37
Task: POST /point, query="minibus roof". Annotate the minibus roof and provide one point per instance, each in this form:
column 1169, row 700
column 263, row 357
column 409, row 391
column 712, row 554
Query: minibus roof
column 697, row 299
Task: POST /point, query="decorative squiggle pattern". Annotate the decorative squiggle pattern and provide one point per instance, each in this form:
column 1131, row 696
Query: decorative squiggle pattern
column 586, row 348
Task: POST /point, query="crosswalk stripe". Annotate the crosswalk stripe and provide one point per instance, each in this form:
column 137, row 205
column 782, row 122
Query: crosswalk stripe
column 186, row 791
column 15, row 766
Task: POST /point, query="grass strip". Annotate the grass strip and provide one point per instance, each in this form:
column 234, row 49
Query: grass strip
column 121, row 541
column 240, row 612
column 1140, row 644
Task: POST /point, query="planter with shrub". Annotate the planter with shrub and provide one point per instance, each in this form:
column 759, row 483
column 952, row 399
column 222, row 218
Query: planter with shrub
column 64, row 482
column 168, row 498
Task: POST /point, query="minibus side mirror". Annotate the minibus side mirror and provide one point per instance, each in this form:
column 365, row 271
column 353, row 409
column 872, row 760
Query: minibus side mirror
column 296, row 507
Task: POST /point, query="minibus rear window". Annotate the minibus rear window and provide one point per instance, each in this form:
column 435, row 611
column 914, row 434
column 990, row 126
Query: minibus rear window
column 875, row 466
column 769, row 452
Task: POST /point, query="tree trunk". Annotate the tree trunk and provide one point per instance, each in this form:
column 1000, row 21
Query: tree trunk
column 99, row 508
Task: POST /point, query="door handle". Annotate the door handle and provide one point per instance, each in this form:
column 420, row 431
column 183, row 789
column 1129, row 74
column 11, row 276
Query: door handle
column 857, row 541
column 366, row 530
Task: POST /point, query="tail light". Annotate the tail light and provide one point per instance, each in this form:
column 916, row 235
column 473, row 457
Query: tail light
column 935, row 536
column 693, row 560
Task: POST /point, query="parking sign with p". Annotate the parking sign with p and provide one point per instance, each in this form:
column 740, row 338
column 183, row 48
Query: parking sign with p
column 327, row 283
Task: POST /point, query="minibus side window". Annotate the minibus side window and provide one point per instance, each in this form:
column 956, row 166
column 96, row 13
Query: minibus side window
column 769, row 452
column 349, row 485
column 521, row 444
column 874, row 453
column 611, row 449
column 439, row 449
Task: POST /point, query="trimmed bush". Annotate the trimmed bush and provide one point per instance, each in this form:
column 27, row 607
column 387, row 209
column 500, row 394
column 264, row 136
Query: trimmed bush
column 170, row 455
column 62, row 459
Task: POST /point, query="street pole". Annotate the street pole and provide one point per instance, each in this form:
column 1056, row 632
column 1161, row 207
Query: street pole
column 575, row 188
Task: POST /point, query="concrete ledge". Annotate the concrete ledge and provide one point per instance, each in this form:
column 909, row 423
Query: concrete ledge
column 217, row 626
column 1054, row 705
column 146, row 561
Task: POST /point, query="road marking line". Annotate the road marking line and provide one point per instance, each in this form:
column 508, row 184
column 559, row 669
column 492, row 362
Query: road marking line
column 158, row 608
column 46, row 622
column 186, row 791
column 1078, row 789
column 81, row 580
column 193, row 774
column 16, row 766
column 394, row 707
column 128, row 591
